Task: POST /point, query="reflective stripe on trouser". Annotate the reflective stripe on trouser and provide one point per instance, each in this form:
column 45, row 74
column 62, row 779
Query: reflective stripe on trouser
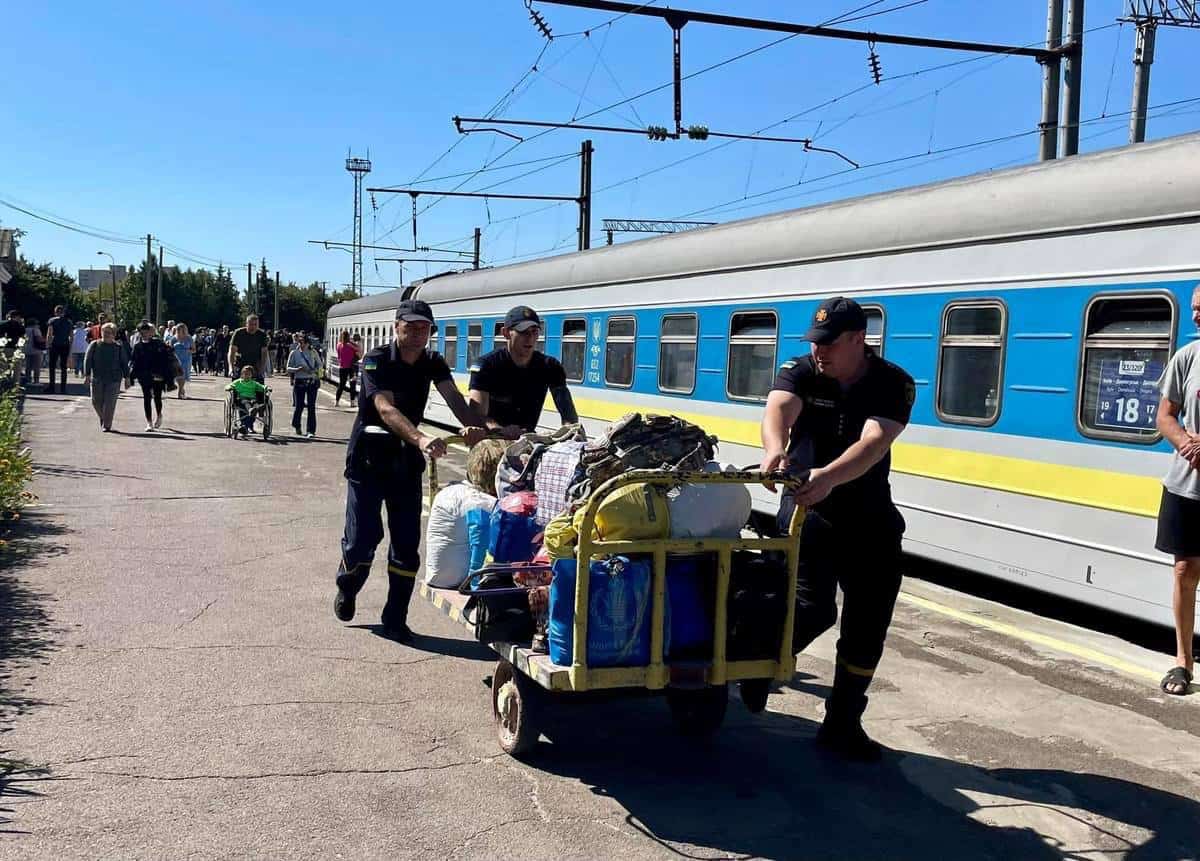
column 365, row 500
column 866, row 566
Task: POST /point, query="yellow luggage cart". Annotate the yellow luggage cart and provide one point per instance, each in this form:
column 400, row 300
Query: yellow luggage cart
column 697, row 692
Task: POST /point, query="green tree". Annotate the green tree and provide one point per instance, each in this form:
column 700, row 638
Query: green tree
column 36, row 289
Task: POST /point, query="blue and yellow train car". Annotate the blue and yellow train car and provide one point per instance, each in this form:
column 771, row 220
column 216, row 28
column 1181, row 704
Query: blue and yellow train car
column 1034, row 307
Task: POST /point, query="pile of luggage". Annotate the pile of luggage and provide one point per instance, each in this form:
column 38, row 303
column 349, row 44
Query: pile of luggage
column 526, row 534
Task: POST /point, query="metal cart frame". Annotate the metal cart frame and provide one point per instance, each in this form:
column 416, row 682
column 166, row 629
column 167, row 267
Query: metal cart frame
column 696, row 690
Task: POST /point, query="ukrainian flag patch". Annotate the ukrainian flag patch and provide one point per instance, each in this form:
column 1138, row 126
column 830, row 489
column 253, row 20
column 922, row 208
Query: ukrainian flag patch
column 370, row 363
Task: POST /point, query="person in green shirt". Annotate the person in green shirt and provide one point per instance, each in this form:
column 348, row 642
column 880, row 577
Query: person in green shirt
column 247, row 389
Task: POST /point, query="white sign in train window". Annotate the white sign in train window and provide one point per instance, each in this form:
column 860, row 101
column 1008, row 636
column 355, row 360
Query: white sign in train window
column 1128, row 396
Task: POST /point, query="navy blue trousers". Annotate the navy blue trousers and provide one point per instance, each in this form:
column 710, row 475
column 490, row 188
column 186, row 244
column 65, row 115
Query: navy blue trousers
column 304, row 394
column 365, row 501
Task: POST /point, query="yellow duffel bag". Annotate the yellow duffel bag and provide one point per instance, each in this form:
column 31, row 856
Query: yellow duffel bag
column 560, row 537
column 634, row 513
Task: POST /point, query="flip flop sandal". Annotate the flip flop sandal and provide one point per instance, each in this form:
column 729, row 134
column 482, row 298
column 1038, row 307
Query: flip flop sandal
column 1176, row 676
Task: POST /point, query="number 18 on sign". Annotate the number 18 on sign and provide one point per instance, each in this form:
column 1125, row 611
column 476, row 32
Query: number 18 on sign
column 1128, row 394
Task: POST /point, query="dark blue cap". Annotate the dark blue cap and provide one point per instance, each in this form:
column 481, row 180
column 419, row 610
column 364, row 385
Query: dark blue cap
column 521, row 318
column 414, row 311
column 834, row 317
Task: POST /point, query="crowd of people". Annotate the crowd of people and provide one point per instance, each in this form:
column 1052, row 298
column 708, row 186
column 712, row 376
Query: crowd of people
column 160, row 358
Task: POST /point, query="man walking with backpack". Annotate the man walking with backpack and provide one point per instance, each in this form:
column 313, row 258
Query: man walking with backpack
column 59, row 332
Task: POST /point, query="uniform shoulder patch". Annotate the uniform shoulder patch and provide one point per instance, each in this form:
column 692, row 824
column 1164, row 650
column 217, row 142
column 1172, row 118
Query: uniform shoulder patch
column 788, row 365
column 370, row 363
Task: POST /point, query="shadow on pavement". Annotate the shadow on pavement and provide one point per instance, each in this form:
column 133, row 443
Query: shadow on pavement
column 451, row 647
column 26, row 636
column 761, row 788
column 62, row 470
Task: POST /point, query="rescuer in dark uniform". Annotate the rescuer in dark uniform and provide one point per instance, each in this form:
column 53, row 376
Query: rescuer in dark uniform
column 509, row 385
column 385, row 460
column 836, row 413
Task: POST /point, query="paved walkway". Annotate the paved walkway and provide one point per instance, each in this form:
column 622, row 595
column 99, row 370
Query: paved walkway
column 169, row 658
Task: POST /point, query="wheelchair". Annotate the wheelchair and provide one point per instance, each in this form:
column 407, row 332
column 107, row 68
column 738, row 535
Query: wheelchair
column 260, row 412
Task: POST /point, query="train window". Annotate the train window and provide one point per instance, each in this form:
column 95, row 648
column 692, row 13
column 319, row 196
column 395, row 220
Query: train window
column 677, row 353
column 619, row 351
column 1127, row 342
column 498, row 340
column 752, row 337
column 574, row 346
column 971, row 362
column 474, row 344
column 450, row 345
column 874, row 328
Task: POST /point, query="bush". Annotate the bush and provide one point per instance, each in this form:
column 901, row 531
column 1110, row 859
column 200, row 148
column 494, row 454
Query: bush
column 16, row 465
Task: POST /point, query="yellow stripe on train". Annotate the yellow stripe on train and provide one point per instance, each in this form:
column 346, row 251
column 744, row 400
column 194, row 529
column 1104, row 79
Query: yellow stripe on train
column 1096, row 488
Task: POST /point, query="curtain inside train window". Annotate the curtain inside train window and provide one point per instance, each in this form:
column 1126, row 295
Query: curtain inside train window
column 619, row 351
column 752, row 341
column 474, row 344
column 498, row 339
column 874, row 328
column 971, row 363
column 450, row 345
column 1127, row 342
column 574, row 346
column 677, row 353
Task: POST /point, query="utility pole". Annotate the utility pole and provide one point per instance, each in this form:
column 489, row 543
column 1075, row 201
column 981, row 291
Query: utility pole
column 585, row 196
column 277, row 299
column 359, row 167
column 149, row 257
column 1143, row 57
column 251, row 297
column 478, row 235
column 1148, row 15
column 1074, row 78
column 159, row 311
column 1051, row 82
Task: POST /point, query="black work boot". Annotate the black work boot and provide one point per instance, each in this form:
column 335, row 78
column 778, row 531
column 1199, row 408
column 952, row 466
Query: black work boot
column 394, row 617
column 347, row 588
column 842, row 733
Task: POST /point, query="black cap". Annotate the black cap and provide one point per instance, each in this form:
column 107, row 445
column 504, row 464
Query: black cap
column 414, row 311
column 833, row 317
column 521, row 318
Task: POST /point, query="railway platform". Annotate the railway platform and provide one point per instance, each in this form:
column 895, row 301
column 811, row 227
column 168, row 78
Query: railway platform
column 173, row 684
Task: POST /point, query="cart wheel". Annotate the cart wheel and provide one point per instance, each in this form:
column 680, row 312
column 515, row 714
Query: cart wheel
column 266, row 421
column 516, row 701
column 754, row 694
column 698, row 712
column 228, row 418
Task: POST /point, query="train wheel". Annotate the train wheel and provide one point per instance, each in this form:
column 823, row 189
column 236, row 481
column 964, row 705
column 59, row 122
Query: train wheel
column 516, row 706
column 698, row 712
column 754, row 694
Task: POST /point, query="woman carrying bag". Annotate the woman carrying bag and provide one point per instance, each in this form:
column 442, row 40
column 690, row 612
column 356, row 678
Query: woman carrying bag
column 304, row 365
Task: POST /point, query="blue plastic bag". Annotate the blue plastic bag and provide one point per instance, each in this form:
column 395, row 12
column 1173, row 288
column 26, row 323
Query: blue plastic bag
column 513, row 536
column 479, row 533
column 619, row 615
column 690, row 600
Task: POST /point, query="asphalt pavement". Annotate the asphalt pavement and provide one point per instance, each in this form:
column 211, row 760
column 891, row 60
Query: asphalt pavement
column 173, row 684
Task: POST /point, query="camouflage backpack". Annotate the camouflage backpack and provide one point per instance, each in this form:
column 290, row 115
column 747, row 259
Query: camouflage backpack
column 639, row 441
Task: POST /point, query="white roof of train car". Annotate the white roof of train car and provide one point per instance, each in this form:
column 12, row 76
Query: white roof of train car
column 1146, row 182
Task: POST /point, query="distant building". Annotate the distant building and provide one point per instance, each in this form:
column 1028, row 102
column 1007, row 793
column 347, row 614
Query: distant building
column 92, row 279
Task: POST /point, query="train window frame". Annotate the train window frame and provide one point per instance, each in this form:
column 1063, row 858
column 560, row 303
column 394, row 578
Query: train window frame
column 579, row 337
column 665, row 341
column 450, row 333
column 871, row 341
column 620, row 339
column 1087, row 342
column 476, row 339
column 999, row 341
column 498, row 340
column 750, row 341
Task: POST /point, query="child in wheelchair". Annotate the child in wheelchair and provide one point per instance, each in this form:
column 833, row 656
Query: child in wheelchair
column 250, row 397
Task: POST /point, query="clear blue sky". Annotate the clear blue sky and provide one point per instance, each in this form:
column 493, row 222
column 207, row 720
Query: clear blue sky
column 222, row 127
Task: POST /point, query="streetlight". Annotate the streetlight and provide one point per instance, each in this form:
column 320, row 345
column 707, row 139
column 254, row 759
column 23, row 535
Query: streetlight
column 112, row 274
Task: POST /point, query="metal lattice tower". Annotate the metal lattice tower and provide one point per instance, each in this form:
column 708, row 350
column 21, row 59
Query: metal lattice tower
column 644, row 225
column 1148, row 16
column 360, row 167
